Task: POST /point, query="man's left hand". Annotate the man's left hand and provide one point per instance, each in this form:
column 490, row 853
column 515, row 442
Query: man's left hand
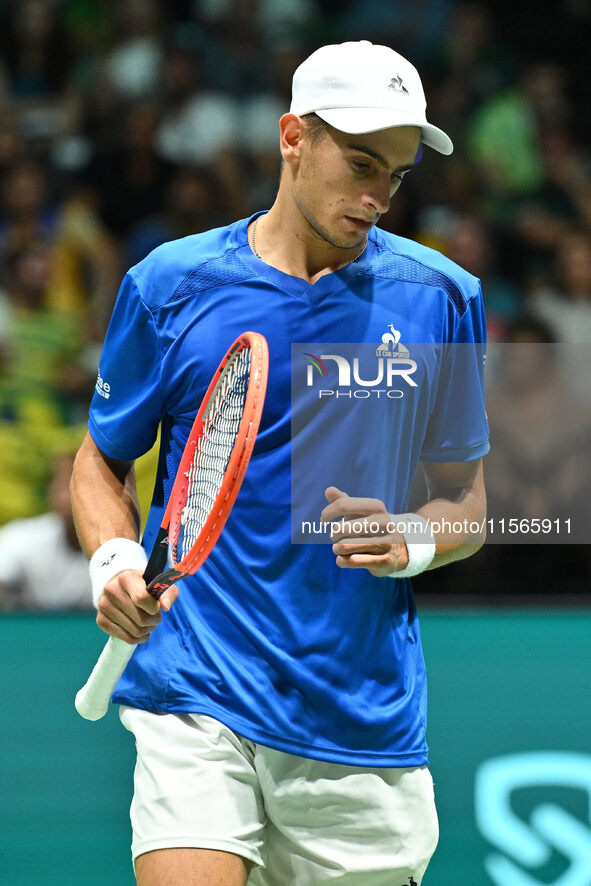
column 363, row 534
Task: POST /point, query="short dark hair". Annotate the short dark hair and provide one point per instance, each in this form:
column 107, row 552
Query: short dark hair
column 316, row 127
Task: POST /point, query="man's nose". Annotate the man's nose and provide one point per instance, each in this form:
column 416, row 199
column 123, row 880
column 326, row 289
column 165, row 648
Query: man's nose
column 378, row 195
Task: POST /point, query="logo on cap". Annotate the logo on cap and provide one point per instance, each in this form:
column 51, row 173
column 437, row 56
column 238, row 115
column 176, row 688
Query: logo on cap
column 397, row 84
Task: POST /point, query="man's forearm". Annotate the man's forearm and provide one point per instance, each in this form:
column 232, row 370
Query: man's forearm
column 104, row 498
column 456, row 510
column 105, row 507
column 459, row 528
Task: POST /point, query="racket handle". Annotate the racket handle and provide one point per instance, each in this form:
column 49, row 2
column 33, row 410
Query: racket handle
column 92, row 701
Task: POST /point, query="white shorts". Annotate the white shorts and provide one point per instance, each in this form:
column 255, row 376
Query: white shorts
column 301, row 821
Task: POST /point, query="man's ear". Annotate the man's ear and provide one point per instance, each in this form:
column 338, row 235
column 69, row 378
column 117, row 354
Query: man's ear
column 290, row 137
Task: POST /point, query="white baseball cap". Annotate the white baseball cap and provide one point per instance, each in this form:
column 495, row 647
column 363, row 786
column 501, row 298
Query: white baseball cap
column 360, row 87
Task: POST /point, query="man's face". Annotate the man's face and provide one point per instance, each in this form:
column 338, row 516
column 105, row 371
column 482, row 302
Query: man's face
column 344, row 183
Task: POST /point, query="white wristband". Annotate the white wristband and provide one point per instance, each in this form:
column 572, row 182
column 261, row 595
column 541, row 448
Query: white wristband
column 112, row 557
column 420, row 543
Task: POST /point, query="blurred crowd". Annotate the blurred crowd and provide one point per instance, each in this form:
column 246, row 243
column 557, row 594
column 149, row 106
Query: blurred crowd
column 125, row 124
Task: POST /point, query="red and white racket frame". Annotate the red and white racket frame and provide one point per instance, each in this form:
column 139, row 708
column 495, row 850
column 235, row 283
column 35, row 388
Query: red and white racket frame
column 92, row 700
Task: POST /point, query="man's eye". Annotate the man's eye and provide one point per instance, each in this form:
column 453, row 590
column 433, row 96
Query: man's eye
column 397, row 176
column 360, row 166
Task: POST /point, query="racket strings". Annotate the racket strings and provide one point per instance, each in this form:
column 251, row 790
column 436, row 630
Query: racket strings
column 214, row 447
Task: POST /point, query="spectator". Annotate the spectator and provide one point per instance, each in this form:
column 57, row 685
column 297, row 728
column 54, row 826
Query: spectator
column 419, row 25
column 194, row 202
column 539, row 462
column 264, row 22
column 196, row 124
column 565, row 303
column 134, row 63
column 561, row 205
column 35, row 50
column 41, row 564
column 470, row 243
column 43, row 381
column 474, row 64
column 13, row 147
column 26, row 212
column 504, row 145
column 127, row 181
column 538, row 468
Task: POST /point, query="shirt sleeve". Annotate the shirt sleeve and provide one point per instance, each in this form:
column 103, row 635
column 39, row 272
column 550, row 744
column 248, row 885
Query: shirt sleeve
column 128, row 403
column 458, row 426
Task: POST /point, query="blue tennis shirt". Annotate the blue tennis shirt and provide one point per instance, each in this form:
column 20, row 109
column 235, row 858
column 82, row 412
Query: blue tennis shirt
column 271, row 637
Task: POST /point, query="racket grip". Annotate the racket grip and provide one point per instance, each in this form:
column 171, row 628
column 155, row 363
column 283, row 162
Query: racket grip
column 92, row 701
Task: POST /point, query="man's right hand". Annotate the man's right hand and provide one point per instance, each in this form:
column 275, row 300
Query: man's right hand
column 127, row 611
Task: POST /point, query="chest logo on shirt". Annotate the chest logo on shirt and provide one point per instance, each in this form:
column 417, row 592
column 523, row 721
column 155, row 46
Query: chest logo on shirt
column 391, row 346
column 391, row 365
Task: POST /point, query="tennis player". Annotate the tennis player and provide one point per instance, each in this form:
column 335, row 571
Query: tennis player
column 278, row 704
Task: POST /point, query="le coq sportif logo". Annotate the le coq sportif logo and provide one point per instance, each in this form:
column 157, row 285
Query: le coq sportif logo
column 397, row 84
column 338, row 376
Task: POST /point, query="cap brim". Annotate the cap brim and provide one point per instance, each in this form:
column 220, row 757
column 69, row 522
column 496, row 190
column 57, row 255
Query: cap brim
column 360, row 120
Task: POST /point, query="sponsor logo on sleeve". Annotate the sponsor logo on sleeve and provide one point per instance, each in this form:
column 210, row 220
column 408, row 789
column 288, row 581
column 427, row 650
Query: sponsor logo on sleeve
column 102, row 387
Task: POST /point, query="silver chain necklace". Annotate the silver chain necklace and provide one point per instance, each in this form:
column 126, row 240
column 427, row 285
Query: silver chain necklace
column 258, row 255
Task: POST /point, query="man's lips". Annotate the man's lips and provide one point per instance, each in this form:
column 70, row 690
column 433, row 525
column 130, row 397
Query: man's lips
column 360, row 223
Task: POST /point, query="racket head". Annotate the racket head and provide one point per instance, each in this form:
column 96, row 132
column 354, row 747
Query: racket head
column 217, row 452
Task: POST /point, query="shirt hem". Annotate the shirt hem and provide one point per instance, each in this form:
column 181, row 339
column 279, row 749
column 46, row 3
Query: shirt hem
column 471, row 453
column 364, row 758
column 109, row 448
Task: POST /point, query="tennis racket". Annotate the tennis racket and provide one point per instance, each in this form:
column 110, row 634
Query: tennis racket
column 206, row 485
